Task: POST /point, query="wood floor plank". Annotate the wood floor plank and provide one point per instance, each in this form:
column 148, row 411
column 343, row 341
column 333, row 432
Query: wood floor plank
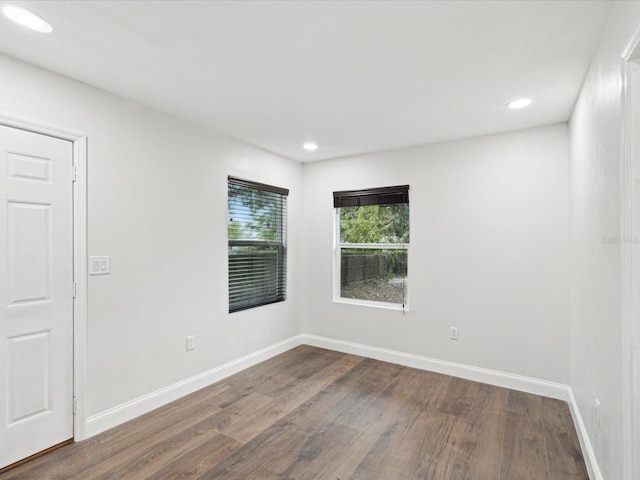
column 193, row 463
column 342, row 459
column 421, row 441
column 303, row 450
column 315, row 414
column 353, row 444
column 252, row 378
column 234, row 413
column 386, row 454
column 363, row 400
column 524, row 451
column 480, row 451
column 137, row 461
column 433, row 454
column 82, row 455
column 291, row 398
column 458, row 398
column 352, row 404
column 306, row 367
column 348, row 398
column 144, row 458
column 262, row 375
column 431, row 440
column 246, row 461
column 563, row 447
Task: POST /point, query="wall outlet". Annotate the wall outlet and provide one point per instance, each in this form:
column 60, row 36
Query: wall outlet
column 453, row 333
column 191, row 342
column 597, row 419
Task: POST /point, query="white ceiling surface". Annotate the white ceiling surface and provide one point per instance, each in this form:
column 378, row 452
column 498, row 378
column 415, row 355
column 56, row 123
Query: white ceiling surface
column 356, row 77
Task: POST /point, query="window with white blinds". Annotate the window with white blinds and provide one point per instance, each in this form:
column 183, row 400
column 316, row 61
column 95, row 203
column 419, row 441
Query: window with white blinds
column 257, row 230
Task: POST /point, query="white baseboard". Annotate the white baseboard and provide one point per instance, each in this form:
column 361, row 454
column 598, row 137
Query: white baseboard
column 141, row 405
column 585, row 443
column 483, row 375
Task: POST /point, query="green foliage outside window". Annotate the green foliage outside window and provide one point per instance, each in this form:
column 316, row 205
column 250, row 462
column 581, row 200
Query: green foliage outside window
column 375, row 224
column 264, row 209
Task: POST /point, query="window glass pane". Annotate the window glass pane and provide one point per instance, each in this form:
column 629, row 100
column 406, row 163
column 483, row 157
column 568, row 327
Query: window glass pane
column 375, row 224
column 373, row 274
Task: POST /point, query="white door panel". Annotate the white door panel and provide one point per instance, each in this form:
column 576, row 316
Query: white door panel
column 36, row 304
column 29, row 252
column 29, row 374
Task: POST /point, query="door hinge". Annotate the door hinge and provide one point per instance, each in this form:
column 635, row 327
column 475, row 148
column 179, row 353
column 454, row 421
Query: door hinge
column 75, row 405
column 74, row 173
column 75, row 289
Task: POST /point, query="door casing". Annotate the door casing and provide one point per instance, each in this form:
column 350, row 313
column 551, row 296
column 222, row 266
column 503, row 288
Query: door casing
column 630, row 255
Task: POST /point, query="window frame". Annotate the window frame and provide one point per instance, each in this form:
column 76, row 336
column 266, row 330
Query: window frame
column 280, row 245
column 338, row 246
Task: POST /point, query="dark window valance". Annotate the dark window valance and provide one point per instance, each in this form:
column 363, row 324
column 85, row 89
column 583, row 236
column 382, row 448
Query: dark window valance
column 258, row 186
column 371, row 196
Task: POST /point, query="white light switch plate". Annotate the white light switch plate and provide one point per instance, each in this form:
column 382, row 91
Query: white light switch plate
column 99, row 265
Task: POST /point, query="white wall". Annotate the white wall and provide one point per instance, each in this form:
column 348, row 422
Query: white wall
column 596, row 334
column 157, row 205
column 489, row 252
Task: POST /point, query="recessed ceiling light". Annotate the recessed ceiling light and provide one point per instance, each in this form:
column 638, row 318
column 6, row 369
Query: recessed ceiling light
column 27, row 19
column 520, row 103
column 310, row 146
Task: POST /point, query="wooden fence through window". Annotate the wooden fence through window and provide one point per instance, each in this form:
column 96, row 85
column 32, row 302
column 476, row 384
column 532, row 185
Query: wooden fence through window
column 358, row 267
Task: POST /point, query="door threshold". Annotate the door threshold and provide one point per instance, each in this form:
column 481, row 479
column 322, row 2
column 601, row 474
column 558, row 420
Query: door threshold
column 36, row 455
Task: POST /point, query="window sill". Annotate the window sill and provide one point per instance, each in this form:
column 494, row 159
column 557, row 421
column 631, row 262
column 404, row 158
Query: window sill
column 370, row 303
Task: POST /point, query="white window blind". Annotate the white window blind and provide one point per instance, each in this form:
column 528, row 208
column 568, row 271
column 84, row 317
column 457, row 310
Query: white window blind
column 257, row 230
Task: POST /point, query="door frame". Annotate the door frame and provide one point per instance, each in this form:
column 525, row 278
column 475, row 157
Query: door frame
column 630, row 258
column 80, row 305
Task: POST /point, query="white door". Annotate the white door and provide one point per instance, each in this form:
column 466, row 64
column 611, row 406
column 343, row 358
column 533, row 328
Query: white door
column 36, row 293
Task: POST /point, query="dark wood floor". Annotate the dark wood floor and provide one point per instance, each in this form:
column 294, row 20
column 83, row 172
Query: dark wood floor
column 317, row 414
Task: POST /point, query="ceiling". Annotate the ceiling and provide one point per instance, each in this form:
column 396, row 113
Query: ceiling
column 353, row 76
